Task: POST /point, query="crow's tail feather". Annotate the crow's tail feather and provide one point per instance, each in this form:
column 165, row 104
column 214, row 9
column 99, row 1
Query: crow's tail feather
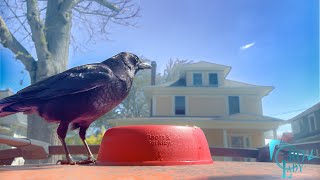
column 4, row 113
column 5, row 110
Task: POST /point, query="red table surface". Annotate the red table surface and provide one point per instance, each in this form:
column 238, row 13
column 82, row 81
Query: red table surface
column 216, row 171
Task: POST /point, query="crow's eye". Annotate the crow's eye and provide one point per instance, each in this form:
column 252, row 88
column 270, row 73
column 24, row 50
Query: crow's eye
column 136, row 59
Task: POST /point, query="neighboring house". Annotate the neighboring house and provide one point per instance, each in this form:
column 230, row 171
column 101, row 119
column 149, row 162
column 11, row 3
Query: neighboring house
column 230, row 113
column 306, row 125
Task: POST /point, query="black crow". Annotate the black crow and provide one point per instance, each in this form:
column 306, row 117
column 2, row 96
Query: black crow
column 77, row 96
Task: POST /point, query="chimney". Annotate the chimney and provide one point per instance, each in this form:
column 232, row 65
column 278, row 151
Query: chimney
column 153, row 73
column 153, row 82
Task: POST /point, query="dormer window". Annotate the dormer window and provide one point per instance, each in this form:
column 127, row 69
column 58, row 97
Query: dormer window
column 197, row 79
column 213, row 79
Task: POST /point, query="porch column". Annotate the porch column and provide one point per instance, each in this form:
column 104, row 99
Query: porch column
column 263, row 139
column 275, row 133
column 225, row 138
column 225, row 143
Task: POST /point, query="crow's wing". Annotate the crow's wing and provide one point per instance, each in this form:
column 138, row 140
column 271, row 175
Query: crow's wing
column 75, row 80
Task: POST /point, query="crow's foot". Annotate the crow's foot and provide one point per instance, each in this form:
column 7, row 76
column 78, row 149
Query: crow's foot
column 90, row 160
column 64, row 162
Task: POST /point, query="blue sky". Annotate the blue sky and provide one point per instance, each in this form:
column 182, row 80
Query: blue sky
column 271, row 42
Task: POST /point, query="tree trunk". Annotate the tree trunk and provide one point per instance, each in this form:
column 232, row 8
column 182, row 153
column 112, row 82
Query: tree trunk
column 58, row 27
column 41, row 130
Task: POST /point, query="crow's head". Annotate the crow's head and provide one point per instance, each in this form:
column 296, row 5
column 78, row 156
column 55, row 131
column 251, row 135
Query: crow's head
column 133, row 62
column 126, row 63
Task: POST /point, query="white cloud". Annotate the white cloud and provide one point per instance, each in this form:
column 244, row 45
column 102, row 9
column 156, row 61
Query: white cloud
column 247, row 46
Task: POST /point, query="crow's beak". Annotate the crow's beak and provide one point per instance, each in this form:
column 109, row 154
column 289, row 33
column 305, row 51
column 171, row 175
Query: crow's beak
column 144, row 66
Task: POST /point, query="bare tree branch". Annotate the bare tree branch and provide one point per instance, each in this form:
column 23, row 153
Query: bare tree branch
column 37, row 29
column 94, row 18
column 9, row 41
column 67, row 5
column 15, row 15
column 108, row 5
column 94, row 13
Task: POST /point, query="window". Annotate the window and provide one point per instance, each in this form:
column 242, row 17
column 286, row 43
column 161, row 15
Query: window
column 180, row 105
column 197, row 79
column 213, row 79
column 312, row 123
column 304, row 124
column 239, row 141
column 296, row 127
column 234, row 106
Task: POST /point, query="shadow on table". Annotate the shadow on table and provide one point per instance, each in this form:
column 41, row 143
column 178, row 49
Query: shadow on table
column 29, row 167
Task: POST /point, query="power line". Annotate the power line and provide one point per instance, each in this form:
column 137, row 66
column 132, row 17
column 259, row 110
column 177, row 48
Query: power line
column 288, row 112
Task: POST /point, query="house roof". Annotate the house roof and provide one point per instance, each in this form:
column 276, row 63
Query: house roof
column 180, row 82
column 203, row 65
column 231, row 83
column 179, row 85
column 306, row 112
column 242, row 121
column 249, row 116
column 227, row 83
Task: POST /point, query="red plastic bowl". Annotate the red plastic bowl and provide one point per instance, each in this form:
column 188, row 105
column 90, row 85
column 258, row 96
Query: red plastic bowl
column 156, row 145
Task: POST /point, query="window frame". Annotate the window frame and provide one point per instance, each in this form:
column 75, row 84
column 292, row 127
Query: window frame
column 244, row 137
column 315, row 122
column 175, row 107
column 229, row 109
column 296, row 127
column 193, row 79
column 213, row 85
column 304, row 124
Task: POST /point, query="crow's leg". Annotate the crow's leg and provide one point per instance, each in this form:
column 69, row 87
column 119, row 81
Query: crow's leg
column 62, row 132
column 82, row 134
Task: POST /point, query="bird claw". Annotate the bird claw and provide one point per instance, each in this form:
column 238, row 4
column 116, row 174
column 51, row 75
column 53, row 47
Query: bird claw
column 64, row 162
column 87, row 161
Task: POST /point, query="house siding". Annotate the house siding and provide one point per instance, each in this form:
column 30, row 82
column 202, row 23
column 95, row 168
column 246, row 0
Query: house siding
column 207, row 106
column 214, row 137
column 257, row 140
column 251, row 105
column 317, row 118
column 164, row 106
column 205, row 79
column 189, row 78
column 220, row 78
